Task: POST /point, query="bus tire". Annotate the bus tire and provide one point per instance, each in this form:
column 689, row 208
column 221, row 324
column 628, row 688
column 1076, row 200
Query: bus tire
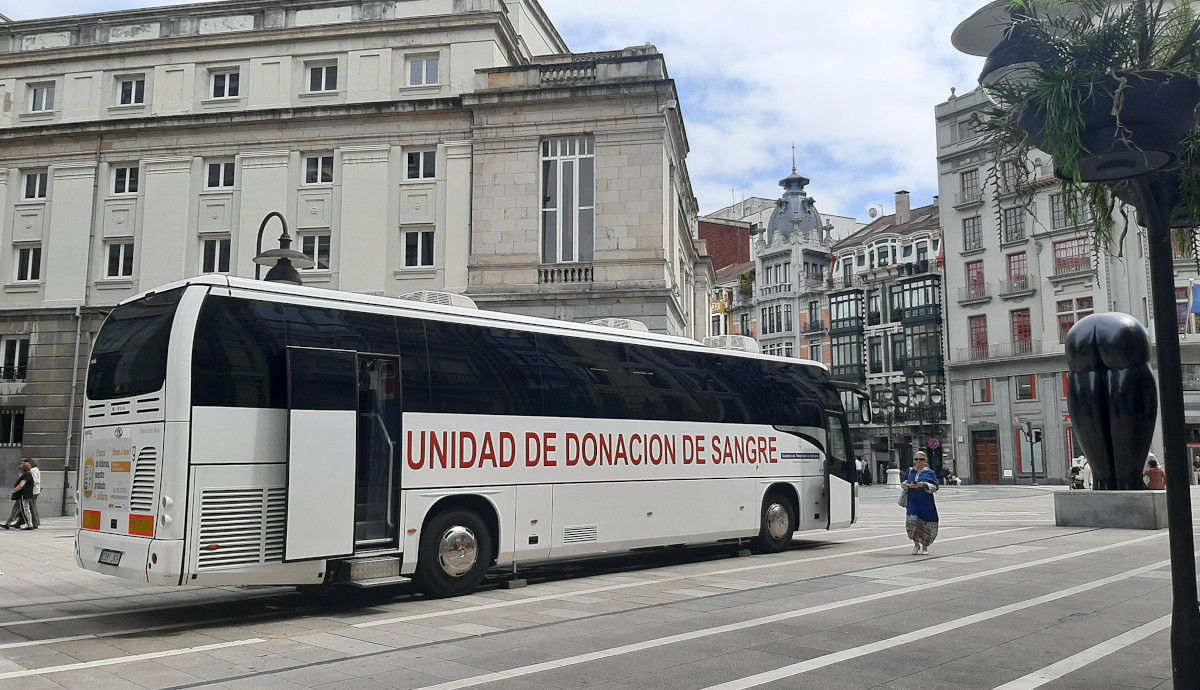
column 455, row 553
column 777, row 524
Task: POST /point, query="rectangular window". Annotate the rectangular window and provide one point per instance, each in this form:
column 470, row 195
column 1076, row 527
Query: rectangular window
column 568, row 199
column 318, row 169
column 1018, row 271
column 120, row 260
column 29, row 263
column 975, row 283
column 1013, row 220
column 898, row 352
column 36, row 183
column 15, row 354
column 226, row 84
column 969, row 186
column 316, row 247
column 421, row 165
column 1072, row 256
column 418, row 248
column 977, row 325
column 1026, row 387
column 322, row 78
column 423, row 71
column 1022, row 332
column 1070, row 311
column 1012, row 173
column 131, row 90
column 1062, row 215
column 972, row 233
column 787, row 316
column 125, row 180
column 981, row 390
column 12, row 427
column 964, row 129
column 41, row 97
column 220, row 174
column 215, row 253
column 814, row 352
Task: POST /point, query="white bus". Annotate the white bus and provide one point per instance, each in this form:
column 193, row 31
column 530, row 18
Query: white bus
column 246, row 432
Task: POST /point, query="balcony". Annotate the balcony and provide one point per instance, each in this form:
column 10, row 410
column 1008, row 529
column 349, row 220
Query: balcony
column 814, row 284
column 845, row 282
column 978, row 353
column 848, row 372
column 975, row 293
column 13, row 373
column 927, row 364
column 968, row 197
column 853, row 323
column 813, row 326
column 558, row 274
column 926, row 313
column 1017, row 286
column 1065, row 266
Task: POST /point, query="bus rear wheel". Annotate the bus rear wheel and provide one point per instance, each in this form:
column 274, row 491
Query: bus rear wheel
column 778, row 523
column 455, row 551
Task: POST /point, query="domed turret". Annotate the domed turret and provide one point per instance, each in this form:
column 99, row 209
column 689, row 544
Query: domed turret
column 794, row 212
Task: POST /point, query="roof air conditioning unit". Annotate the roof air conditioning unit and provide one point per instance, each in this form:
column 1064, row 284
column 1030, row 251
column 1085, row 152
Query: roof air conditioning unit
column 443, row 298
column 741, row 343
column 623, row 324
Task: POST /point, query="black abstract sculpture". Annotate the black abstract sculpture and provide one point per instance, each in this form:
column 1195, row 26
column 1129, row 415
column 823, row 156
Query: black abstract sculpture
column 1111, row 396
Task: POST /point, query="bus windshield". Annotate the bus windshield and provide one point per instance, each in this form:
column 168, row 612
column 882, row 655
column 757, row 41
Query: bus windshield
column 130, row 354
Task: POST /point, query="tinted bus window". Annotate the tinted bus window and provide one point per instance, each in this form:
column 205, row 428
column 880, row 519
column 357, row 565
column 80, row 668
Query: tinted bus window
column 239, row 358
column 583, row 378
column 478, row 370
column 130, row 354
column 663, row 385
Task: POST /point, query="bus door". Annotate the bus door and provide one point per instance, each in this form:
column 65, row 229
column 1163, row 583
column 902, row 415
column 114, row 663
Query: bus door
column 322, row 438
column 376, row 476
column 840, row 479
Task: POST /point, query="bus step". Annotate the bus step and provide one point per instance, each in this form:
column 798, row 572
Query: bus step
column 380, row 581
column 370, row 569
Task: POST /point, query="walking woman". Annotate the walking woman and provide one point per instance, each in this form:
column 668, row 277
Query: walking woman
column 922, row 517
column 22, row 493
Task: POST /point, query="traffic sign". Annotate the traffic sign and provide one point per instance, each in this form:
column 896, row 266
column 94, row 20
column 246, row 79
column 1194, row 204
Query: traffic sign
column 934, row 443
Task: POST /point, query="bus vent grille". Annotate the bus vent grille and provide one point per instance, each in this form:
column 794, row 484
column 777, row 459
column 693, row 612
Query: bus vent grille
column 577, row 534
column 145, row 470
column 241, row 527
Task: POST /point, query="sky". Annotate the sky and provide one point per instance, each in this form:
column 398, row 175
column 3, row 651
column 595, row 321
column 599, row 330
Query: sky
column 852, row 85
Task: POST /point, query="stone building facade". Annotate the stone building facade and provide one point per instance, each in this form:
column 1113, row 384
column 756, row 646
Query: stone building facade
column 451, row 145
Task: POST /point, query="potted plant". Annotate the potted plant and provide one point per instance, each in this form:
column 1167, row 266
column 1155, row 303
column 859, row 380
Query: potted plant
column 1108, row 88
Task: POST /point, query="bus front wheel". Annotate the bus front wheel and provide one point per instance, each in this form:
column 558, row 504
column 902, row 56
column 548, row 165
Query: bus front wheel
column 456, row 548
column 778, row 523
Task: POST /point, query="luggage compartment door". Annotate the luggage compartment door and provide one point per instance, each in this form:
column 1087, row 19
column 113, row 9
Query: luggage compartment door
column 321, row 451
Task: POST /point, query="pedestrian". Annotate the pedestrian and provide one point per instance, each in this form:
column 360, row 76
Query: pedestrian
column 921, row 519
column 1154, row 477
column 22, row 493
column 858, row 465
column 1196, row 468
column 866, row 471
column 37, row 489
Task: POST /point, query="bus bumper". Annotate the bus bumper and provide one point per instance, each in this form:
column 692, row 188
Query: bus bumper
column 155, row 561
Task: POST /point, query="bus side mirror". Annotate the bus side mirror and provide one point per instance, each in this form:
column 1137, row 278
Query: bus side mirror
column 864, row 410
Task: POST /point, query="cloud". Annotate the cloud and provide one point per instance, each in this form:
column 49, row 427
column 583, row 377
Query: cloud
column 853, row 85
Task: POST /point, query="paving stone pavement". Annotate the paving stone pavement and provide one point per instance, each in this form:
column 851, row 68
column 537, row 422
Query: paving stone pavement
column 1005, row 600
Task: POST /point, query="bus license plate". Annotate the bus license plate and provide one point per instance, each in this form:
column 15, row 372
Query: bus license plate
column 110, row 557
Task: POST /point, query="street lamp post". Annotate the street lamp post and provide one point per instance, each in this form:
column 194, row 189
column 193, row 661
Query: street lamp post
column 883, row 404
column 921, row 394
column 283, row 261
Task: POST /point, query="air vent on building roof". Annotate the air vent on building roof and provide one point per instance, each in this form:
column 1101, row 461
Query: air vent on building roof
column 444, row 298
column 741, row 343
column 623, row 324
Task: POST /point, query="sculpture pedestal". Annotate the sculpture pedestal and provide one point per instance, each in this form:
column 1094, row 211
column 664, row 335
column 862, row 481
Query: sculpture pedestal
column 1117, row 509
column 893, row 477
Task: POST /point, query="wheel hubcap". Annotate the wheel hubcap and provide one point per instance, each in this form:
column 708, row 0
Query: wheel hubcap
column 777, row 521
column 457, row 551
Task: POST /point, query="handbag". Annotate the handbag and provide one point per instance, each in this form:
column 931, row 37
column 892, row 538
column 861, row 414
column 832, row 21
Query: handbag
column 903, row 500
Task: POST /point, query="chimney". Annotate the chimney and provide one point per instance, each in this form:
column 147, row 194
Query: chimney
column 903, row 214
